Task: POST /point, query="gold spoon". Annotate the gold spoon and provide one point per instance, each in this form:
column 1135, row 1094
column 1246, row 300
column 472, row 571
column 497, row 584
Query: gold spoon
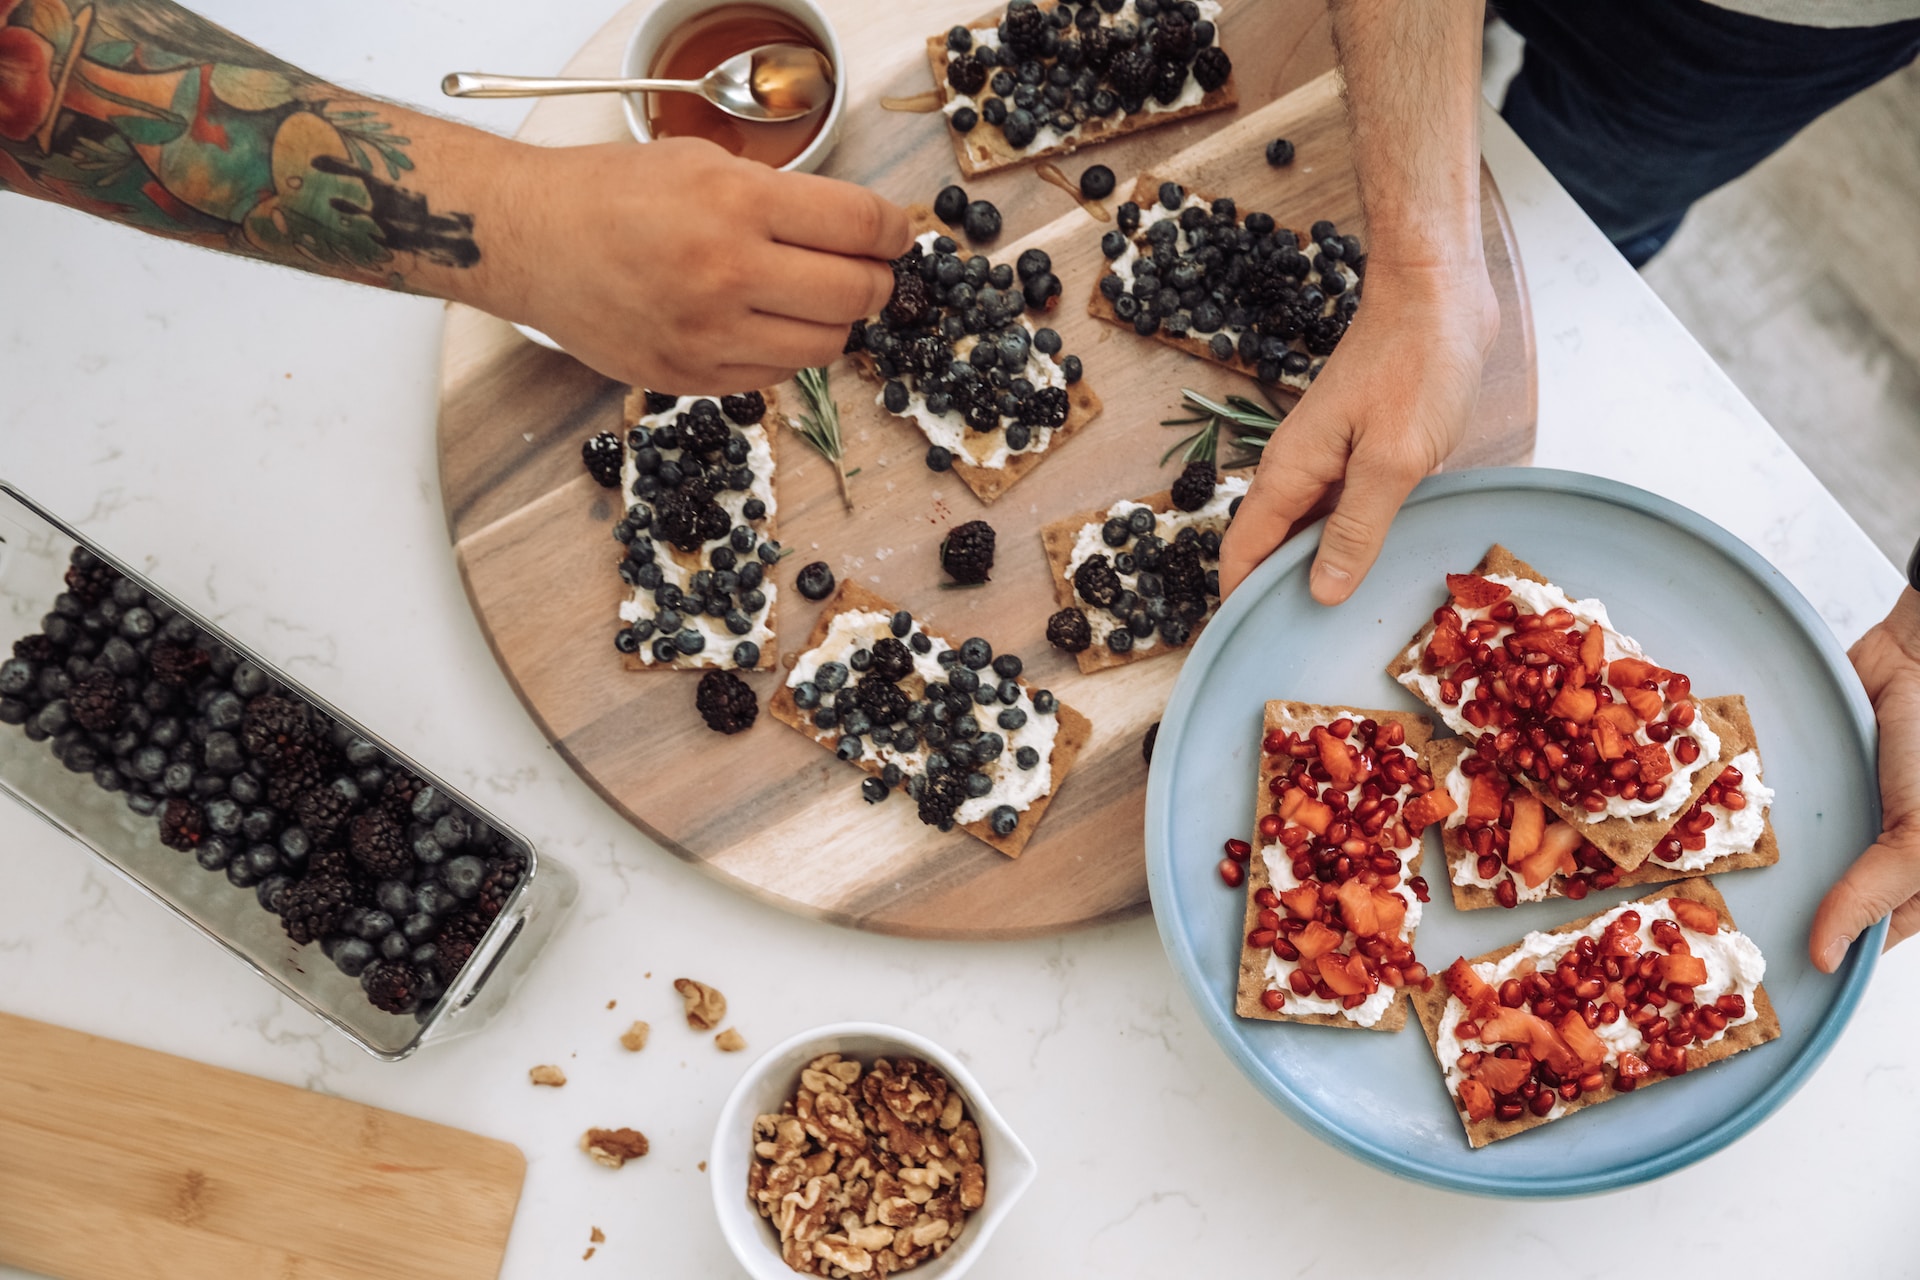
column 772, row 82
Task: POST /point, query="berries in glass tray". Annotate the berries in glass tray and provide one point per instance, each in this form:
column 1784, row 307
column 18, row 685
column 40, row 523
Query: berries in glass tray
column 252, row 782
column 966, row 553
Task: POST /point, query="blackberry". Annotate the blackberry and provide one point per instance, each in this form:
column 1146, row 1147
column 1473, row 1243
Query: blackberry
column 689, row 518
column 96, row 701
column 90, row 578
column 400, row 790
column 1024, row 29
column 944, row 793
column 891, row 660
column 702, row 433
column 660, row 402
column 1069, row 630
column 34, row 648
column 275, row 727
column 322, row 811
column 880, row 698
column 392, row 987
column 911, row 302
column 966, row 74
column 312, row 908
column 967, row 552
column 503, row 876
column 379, row 844
column 181, row 824
column 1096, row 582
column 1182, row 576
column 744, row 409
column 601, row 453
column 725, row 702
column 1194, row 489
column 1173, row 38
column 297, row 773
column 1211, row 67
column 815, row 581
column 1133, row 73
column 1047, row 407
column 178, row 664
column 981, row 221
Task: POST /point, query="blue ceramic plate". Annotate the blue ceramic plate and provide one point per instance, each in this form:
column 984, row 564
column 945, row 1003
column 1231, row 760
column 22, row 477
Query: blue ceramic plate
column 1699, row 601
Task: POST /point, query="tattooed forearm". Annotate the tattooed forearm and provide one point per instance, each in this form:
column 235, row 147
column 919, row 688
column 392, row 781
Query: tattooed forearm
column 143, row 112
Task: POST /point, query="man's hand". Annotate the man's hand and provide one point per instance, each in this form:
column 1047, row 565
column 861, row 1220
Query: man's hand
column 679, row 267
column 1392, row 402
column 1886, row 878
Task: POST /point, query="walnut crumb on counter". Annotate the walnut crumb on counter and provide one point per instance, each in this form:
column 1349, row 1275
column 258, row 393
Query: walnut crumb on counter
column 598, row 1236
column 614, row 1147
column 730, row 1041
column 705, row 1006
column 551, row 1076
column 634, row 1038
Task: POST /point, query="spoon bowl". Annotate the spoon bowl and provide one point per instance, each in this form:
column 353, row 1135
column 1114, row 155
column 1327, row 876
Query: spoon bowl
column 770, row 83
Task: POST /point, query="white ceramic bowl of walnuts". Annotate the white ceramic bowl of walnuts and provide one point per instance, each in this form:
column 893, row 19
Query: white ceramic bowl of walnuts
column 1004, row 1160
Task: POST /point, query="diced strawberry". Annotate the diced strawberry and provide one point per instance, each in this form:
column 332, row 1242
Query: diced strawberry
column 1345, row 974
column 1586, row 1046
column 1290, row 803
column 1655, row 764
column 1630, row 1072
column 1508, row 1026
column 1593, row 649
column 1336, row 756
column 1477, row 1099
column 1529, row 823
column 1301, row 901
column 1688, row 971
column 1476, row 592
column 1390, row 909
column 1576, row 705
column 1486, row 793
column 1426, row 809
column 1551, row 1048
column 1313, row 814
column 1316, row 940
column 1557, row 645
column 1630, row 673
column 1445, row 648
column 1462, row 982
column 1645, row 703
column 1503, row 1075
column 1554, row 856
column 1697, row 916
column 1608, row 739
column 1356, row 909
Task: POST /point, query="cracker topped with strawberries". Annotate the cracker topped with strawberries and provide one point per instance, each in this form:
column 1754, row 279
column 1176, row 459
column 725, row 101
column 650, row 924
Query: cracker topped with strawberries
column 1333, row 886
column 1553, row 696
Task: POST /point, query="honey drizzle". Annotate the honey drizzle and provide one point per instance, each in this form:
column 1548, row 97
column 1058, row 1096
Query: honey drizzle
column 919, row 103
column 1050, row 172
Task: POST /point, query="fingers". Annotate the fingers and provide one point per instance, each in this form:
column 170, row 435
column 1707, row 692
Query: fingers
column 821, row 287
column 1377, row 484
column 1884, row 877
column 783, row 342
column 838, row 217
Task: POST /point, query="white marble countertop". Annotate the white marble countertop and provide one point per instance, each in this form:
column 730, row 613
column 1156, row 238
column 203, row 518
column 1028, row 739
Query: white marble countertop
column 263, row 442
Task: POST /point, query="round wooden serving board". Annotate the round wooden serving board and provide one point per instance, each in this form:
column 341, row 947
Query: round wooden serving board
column 768, row 810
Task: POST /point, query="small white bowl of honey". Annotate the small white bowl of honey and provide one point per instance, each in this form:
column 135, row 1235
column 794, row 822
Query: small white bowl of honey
column 685, row 39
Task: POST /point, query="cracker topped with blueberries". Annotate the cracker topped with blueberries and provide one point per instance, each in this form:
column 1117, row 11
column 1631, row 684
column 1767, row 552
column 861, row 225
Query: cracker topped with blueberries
column 954, row 726
column 1047, row 79
column 958, row 357
column 1141, row 578
column 1192, row 272
column 698, row 535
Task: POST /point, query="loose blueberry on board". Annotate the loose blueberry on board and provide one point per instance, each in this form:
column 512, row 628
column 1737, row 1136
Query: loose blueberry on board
column 950, row 205
column 815, row 581
column 1096, row 182
column 981, row 221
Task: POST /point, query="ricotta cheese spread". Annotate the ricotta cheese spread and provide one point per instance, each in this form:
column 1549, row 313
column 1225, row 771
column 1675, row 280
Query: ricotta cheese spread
column 1734, row 964
column 678, row 567
column 1166, row 526
column 856, row 629
column 1541, row 597
column 1733, row 830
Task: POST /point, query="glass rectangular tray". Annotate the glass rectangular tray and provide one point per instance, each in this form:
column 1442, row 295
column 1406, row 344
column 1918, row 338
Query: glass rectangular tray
column 35, row 550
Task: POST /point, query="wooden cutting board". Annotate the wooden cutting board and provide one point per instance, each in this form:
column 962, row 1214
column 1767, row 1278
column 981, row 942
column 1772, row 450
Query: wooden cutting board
column 117, row 1162
column 767, row 810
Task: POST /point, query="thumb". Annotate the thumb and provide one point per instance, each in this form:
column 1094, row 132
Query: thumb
column 1376, row 487
column 1882, row 878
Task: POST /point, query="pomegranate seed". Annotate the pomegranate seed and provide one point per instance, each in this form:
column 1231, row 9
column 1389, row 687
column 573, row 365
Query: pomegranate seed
column 1659, row 731
column 1609, row 1012
column 1505, row 894
column 1733, row 1004
column 1275, row 742
column 1653, row 790
column 1261, row 939
column 1679, row 688
column 1285, row 950
column 1509, row 1110
column 1342, row 727
column 1543, row 1102
column 1449, row 692
column 1273, row 1001
column 1301, row 982
column 1267, row 919
column 1239, row 850
column 1686, row 750
column 1631, row 1071
column 1682, row 716
column 1419, row 886
column 1512, row 995
column 1232, row 873
column 1486, row 866
column 1576, row 888
column 1265, row 898
column 1734, row 801
column 1270, row 825
column 1569, row 1091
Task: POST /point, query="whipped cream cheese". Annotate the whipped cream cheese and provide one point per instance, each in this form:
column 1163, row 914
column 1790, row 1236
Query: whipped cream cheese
column 1279, row 864
column 1166, row 526
column 674, row 563
column 1734, row 964
column 1047, row 136
column 1012, row 785
column 1733, row 830
column 949, row 430
column 1541, row 597
column 1157, row 212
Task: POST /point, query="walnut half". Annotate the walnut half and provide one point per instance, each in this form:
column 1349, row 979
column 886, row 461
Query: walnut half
column 613, row 1147
column 706, row 1007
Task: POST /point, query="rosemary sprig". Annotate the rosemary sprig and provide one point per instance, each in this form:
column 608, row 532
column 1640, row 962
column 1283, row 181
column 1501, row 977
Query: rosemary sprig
column 820, row 426
column 1255, row 424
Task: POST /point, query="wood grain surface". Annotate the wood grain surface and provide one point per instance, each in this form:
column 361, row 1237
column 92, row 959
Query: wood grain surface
column 767, row 810
column 117, row 1161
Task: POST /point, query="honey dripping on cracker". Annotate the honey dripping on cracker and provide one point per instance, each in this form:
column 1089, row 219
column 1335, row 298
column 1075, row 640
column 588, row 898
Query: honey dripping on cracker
column 919, row 103
column 1050, row 172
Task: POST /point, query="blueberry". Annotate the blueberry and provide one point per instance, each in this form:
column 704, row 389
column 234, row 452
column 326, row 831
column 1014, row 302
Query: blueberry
column 849, row 747
column 873, row 790
column 894, row 396
column 1171, row 195
column 1003, row 820
column 435, row 899
column 222, row 754
column 177, row 779
column 1044, row 702
column 1007, row 692
column 353, row 956
column 981, row 219
column 1041, row 290
column 1070, row 369
column 418, row 926
column 1113, row 244
column 223, row 816
column 1026, row 757
column 463, row 875
column 1011, row 718
column 450, row 830
column 689, row 641
column 976, row 652
column 830, row 676
column 142, row 804
column 815, row 581
column 959, row 39
column 746, row 654
column 806, row 695
column 394, row 946
column 768, row 551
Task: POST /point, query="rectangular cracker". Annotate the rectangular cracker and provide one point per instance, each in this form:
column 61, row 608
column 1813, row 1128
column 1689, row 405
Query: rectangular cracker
column 1628, row 841
column 632, row 410
column 1296, row 716
column 1728, row 715
column 985, row 149
column 988, row 483
column 1075, row 730
column 1431, row 1005
column 1146, row 193
column 1058, row 539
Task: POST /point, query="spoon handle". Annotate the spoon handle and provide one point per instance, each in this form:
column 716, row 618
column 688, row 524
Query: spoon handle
column 478, row 84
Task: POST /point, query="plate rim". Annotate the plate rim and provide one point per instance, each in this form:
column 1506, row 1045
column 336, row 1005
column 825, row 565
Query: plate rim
column 1178, row 943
